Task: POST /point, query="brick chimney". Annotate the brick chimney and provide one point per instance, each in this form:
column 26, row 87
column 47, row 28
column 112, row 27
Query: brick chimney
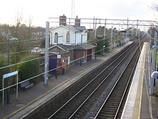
column 62, row 20
column 77, row 21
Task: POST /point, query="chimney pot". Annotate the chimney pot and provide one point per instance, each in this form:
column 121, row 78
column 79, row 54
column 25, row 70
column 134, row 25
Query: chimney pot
column 77, row 21
column 62, row 20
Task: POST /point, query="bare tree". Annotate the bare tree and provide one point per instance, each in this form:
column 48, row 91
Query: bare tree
column 29, row 27
column 154, row 6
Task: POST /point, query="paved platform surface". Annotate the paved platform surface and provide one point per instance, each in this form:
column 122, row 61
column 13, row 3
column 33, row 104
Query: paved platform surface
column 35, row 93
column 39, row 90
column 132, row 108
column 140, row 104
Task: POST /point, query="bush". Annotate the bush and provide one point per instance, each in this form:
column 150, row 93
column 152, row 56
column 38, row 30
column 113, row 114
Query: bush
column 43, row 43
column 100, row 44
column 2, row 64
column 28, row 69
column 2, row 71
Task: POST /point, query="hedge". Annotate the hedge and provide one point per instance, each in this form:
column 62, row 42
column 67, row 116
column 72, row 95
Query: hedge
column 28, row 69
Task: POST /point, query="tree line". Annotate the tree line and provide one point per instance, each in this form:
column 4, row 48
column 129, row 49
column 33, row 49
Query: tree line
column 15, row 51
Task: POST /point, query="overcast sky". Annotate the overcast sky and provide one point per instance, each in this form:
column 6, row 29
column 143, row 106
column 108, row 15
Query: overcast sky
column 40, row 10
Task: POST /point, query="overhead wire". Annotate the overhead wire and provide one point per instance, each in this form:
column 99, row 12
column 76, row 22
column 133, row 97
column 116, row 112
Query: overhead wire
column 8, row 42
column 40, row 74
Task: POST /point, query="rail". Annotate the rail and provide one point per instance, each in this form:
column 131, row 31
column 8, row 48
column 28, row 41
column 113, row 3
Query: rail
column 70, row 109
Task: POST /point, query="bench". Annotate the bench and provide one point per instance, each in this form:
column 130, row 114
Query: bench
column 26, row 84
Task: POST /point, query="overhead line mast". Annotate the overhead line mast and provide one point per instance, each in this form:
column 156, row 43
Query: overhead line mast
column 73, row 8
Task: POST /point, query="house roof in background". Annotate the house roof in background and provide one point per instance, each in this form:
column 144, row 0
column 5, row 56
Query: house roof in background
column 80, row 28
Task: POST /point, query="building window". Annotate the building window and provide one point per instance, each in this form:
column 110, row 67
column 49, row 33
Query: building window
column 68, row 37
column 56, row 38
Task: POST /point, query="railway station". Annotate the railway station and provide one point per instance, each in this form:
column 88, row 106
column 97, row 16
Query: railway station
column 59, row 86
column 134, row 107
column 128, row 72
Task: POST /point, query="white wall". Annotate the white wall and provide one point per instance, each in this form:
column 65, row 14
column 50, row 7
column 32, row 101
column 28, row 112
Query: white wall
column 61, row 35
column 75, row 38
column 81, row 38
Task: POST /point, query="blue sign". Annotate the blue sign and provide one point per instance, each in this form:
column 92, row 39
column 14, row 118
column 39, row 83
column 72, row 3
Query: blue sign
column 7, row 76
column 10, row 74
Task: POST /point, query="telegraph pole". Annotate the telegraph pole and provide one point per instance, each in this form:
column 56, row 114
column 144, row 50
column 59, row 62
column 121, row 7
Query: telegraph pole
column 105, row 29
column 112, row 46
column 46, row 71
column 127, row 29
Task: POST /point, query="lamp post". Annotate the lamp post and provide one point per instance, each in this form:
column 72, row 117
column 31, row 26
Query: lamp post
column 8, row 62
column 112, row 37
column 103, row 49
column 9, row 39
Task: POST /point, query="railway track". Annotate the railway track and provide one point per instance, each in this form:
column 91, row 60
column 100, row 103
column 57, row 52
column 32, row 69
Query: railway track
column 112, row 107
column 88, row 102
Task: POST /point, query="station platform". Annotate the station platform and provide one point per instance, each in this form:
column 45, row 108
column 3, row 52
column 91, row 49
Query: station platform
column 30, row 100
column 140, row 104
